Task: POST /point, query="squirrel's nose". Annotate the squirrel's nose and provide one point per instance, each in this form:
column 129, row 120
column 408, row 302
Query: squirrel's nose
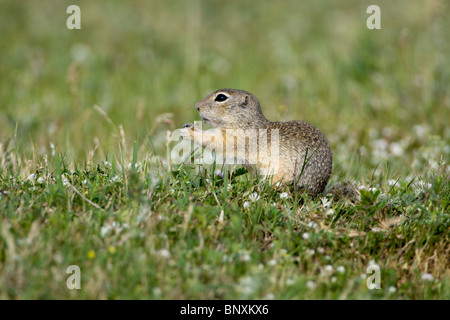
column 197, row 107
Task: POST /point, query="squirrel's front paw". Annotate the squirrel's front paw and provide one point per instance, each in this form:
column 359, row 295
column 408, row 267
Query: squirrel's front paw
column 187, row 133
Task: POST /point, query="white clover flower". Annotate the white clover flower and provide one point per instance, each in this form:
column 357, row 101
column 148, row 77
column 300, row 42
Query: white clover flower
column 247, row 285
column 164, row 253
column 427, row 277
column 328, row 268
column 325, row 202
column 52, row 147
column 41, row 180
column 392, row 290
column 290, row 282
column 65, row 182
column 31, row 177
column 272, row 262
column 246, row 205
column 254, row 197
column 305, row 235
column 104, row 230
column 310, row 284
column 115, row 179
column 420, row 130
column 284, row 195
column 391, row 182
column 329, row 212
column 321, row 250
column 312, row 224
column 340, row 269
column 270, row 296
column 219, row 173
column 396, row 149
column 157, row 291
column 245, row 257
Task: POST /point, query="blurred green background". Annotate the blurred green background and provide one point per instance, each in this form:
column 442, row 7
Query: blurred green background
column 135, row 71
column 306, row 60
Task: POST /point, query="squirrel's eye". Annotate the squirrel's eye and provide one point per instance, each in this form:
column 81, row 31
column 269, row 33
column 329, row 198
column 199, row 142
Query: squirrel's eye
column 221, row 97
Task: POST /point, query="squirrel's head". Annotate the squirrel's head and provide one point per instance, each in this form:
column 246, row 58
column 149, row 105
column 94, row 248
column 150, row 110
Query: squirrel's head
column 231, row 108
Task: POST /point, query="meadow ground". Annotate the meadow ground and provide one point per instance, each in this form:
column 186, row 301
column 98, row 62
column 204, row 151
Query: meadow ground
column 86, row 178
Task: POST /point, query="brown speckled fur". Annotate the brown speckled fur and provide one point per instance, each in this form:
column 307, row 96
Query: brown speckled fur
column 299, row 140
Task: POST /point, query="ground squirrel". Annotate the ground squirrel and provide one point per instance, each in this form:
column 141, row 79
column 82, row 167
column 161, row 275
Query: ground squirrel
column 304, row 157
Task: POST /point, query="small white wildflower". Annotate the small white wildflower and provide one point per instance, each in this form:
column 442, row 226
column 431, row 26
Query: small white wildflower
column 115, row 179
column 312, row 224
column 41, row 180
column 254, row 197
column 329, row 212
column 305, row 235
column 247, row 285
column 420, row 130
column 52, row 147
column 328, row 268
column 391, row 182
column 427, row 277
column 321, row 250
column 104, row 230
column 245, row 257
column 340, row 269
column 310, row 252
column 272, row 262
column 310, row 284
column 84, row 181
column 327, row 257
column 333, row 279
column 246, row 205
column 424, row 185
column 31, row 177
column 325, row 202
column 164, row 253
column 219, row 173
column 290, row 282
column 157, row 292
column 65, row 182
column 396, row 149
column 284, row 195
column 270, row 296
column 107, row 164
column 392, row 290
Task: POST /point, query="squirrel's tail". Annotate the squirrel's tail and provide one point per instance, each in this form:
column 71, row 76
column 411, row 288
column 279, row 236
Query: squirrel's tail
column 345, row 189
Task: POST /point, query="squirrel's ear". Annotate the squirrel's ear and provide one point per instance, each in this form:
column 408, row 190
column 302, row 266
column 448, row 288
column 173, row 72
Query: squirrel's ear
column 244, row 101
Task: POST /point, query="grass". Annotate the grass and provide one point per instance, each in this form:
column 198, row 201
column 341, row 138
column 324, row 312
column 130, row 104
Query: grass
column 85, row 178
